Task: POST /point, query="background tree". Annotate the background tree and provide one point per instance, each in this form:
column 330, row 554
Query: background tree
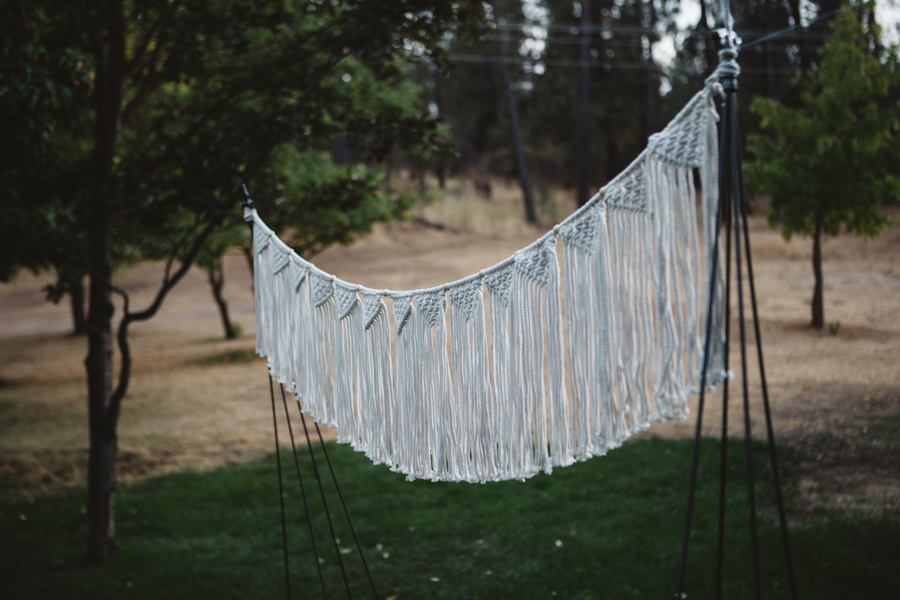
column 767, row 68
column 320, row 199
column 190, row 99
column 44, row 90
column 833, row 160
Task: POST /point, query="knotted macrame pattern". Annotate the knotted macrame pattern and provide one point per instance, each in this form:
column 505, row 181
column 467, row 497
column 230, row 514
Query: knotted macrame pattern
column 555, row 355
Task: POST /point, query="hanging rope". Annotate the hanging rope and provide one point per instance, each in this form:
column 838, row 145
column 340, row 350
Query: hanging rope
column 359, row 548
column 287, row 572
column 312, row 534
column 334, row 540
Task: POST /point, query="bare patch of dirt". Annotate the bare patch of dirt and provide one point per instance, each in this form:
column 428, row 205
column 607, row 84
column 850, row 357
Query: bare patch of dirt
column 851, row 460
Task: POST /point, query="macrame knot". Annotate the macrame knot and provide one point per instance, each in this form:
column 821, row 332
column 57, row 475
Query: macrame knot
column 402, row 309
column 535, row 263
column 345, row 301
column 261, row 236
column 629, row 191
column 373, row 307
column 432, row 307
column 322, row 290
column 280, row 258
column 728, row 66
column 299, row 271
column 465, row 298
column 498, row 284
column 581, row 234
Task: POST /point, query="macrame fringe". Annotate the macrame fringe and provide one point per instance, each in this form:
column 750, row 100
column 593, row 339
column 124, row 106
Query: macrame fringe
column 491, row 378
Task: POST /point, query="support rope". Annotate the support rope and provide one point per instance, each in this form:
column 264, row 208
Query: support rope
column 765, row 395
column 346, row 511
column 337, row 547
column 312, row 535
column 723, row 447
column 748, row 440
column 287, row 572
column 695, row 460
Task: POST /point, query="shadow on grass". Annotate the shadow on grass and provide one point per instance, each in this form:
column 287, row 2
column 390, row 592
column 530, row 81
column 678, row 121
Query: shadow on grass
column 606, row 528
column 231, row 357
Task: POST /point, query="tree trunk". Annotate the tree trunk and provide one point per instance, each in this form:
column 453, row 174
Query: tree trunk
column 101, row 543
column 770, row 56
column 612, row 155
column 818, row 304
column 584, row 106
column 216, row 277
column 248, row 254
column 103, row 447
column 524, row 181
column 76, row 300
column 341, row 156
column 709, row 47
column 650, row 90
column 440, row 170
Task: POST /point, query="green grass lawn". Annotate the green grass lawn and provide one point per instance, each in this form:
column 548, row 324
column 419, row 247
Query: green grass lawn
column 607, row 528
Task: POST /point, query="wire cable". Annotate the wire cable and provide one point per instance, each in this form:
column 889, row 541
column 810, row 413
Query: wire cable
column 797, row 27
column 337, row 547
column 765, row 395
column 312, row 535
column 346, row 511
column 723, row 447
column 748, row 440
column 695, row 460
column 287, row 572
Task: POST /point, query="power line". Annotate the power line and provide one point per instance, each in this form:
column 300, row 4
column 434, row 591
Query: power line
column 797, row 27
column 606, row 65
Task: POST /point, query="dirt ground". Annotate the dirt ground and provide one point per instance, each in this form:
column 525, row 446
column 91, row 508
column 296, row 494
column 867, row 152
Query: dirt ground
column 197, row 401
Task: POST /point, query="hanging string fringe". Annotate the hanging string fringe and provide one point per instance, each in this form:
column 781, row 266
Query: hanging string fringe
column 530, row 364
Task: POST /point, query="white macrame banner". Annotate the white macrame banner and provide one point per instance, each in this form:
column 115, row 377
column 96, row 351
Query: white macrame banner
column 526, row 365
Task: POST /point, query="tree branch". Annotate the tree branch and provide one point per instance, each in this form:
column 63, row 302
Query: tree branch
column 128, row 317
column 148, row 84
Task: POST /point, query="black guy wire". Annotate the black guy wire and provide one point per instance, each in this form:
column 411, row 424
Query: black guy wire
column 565, row 41
column 723, row 448
column 765, row 394
column 607, row 65
column 577, row 28
column 337, row 548
column 748, row 440
column 696, row 453
column 797, row 27
column 287, row 573
column 312, row 535
column 346, row 510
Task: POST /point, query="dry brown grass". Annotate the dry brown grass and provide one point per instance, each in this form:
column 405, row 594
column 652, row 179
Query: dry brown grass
column 183, row 414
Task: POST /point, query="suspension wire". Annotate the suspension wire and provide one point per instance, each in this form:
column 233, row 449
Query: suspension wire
column 796, row 27
column 337, row 548
column 765, row 395
column 723, row 447
column 346, row 511
column 594, row 64
column 287, row 573
column 748, row 440
column 695, row 460
column 312, row 535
